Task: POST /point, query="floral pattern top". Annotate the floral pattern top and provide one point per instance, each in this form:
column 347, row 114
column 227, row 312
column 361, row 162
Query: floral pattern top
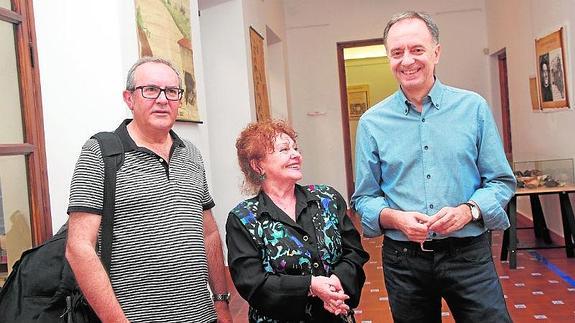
column 272, row 258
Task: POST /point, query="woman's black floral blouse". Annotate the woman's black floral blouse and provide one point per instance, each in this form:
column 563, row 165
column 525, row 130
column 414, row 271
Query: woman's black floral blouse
column 272, row 258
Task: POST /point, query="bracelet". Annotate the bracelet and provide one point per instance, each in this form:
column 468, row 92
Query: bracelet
column 222, row 297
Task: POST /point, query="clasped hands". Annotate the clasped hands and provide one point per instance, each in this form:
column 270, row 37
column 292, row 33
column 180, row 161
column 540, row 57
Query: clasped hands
column 330, row 291
column 416, row 226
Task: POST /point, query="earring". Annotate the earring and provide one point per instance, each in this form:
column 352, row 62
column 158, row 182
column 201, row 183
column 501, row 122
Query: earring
column 262, row 177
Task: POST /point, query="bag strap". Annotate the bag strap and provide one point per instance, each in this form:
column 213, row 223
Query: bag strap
column 113, row 155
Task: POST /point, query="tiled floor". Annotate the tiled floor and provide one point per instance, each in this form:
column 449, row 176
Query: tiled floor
column 542, row 288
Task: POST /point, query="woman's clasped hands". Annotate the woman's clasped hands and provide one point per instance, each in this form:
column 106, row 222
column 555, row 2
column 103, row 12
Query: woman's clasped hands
column 330, row 291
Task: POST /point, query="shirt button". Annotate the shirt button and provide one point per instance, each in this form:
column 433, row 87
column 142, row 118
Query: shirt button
column 425, row 147
column 161, row 160
column 315, row 265
column 305, row 238
column 423, row 120
column 428, row 176
column 431, row 206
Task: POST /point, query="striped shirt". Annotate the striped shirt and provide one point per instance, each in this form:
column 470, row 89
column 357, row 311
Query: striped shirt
column 159, row 269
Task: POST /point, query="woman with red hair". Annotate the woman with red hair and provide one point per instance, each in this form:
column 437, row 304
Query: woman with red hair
column 293, row 253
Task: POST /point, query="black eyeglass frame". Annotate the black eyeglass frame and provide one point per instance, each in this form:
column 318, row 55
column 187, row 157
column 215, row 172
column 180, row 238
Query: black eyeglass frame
column 141, row 88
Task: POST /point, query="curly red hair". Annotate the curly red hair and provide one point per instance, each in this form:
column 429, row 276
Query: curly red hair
column 254, row 143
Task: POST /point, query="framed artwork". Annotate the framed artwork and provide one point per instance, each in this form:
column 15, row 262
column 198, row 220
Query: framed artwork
column 164, row 30
column 357, row 100
column 259, row 76
column 533, row 93
column 551, row 71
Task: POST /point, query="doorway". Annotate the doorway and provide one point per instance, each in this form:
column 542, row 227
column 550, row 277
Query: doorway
column 365, row 79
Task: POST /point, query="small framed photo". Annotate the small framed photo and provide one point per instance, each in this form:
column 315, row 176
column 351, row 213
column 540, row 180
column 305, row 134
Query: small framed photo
column 357, row 100
column 551, row 71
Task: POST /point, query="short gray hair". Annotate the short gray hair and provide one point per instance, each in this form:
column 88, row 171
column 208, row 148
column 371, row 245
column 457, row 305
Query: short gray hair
column 130, row 82
column 425, row 17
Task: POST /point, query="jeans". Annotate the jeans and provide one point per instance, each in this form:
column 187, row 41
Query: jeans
column 459, row 270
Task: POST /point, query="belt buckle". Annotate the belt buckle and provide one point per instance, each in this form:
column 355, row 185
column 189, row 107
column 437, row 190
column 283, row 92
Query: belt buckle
column 423, row 248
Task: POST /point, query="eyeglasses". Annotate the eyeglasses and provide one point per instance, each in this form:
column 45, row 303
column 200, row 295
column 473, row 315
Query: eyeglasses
column 153, row 92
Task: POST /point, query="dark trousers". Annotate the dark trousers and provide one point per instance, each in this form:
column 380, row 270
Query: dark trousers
column 460, row 270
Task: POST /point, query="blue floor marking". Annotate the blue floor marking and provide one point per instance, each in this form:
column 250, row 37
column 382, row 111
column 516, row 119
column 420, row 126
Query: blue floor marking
column 553, row 268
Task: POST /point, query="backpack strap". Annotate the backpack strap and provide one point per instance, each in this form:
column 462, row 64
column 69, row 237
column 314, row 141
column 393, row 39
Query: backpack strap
column 113, row 155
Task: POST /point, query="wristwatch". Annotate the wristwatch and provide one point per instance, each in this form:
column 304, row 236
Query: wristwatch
column 221, row 297
column 475, row 213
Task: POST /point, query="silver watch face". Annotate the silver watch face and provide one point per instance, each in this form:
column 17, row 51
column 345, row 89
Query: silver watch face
column 475, row 212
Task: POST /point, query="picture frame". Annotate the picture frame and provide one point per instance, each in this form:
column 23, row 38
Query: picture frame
column 164, row 30
column 551, row 71
column 357, row 100
column 533, row 91
column 259, row 76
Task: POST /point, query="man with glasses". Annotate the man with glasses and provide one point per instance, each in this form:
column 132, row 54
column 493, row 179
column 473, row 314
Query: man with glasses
column 166, row 247
column 432, row 177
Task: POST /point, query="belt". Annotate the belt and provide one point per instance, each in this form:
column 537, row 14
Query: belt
column 450, row 243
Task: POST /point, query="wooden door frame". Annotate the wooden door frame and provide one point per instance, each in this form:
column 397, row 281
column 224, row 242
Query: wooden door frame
column 505, row 108
column 344, row 111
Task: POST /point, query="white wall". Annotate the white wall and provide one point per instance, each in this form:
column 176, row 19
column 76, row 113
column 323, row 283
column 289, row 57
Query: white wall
column 314, row 27
column 229, row 86
column 85, row 50
column 276, row 75
column 514, row 25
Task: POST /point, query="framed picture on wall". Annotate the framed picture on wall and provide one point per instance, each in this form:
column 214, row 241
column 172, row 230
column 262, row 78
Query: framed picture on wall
column 259, row 76
column 357, row 100
column 551, row 71
column 164, row 30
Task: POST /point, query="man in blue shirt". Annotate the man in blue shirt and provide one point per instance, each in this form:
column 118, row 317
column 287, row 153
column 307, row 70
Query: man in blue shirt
column 432, row 177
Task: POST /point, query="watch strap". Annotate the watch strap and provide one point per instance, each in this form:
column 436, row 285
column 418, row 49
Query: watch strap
column 474, row 210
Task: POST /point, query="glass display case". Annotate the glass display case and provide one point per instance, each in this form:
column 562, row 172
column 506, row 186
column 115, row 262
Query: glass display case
column 544, row 173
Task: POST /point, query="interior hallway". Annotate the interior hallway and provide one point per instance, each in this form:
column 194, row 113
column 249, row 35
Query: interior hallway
column 541, row 288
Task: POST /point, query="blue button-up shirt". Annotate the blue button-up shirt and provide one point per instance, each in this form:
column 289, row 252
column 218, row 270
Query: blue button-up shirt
column 449, row 154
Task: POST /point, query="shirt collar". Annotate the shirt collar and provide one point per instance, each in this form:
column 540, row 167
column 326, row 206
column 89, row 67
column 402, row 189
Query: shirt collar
column 302, row 196
column 130, row 145
column 434, row 95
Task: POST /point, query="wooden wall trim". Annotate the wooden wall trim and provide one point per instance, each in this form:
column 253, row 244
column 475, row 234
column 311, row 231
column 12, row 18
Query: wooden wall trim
column 31, row 99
